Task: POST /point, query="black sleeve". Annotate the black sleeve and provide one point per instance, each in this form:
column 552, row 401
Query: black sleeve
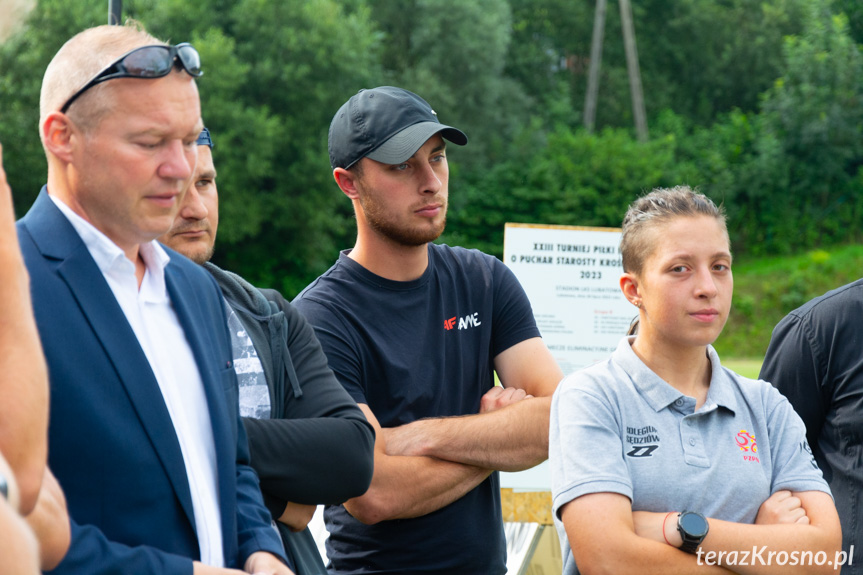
column 793, row 366
column 322, row 450
column 513, row 318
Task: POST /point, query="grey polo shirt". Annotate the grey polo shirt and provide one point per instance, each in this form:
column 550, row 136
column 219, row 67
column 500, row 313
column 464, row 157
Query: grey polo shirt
column 618, row 427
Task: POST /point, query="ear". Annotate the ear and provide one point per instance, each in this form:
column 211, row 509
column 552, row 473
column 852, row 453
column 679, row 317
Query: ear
column 631, row 288
column 57, row 135
column 347, row 182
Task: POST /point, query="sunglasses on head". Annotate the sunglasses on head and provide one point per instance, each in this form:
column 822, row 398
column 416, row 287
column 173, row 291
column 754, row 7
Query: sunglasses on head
column 146, row 62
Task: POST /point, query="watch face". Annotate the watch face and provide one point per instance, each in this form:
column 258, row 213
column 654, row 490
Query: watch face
column 694, row 524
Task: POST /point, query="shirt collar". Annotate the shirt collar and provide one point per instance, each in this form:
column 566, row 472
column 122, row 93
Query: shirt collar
column 108, row 255
column 721, row 392
column 155, row 257
column 659, row 394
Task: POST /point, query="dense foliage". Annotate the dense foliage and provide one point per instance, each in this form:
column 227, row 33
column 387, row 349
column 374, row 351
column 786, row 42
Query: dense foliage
column 759, row 104
column 766, row 288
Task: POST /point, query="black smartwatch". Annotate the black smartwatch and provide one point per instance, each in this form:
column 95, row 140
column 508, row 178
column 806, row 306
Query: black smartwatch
column 693, row 529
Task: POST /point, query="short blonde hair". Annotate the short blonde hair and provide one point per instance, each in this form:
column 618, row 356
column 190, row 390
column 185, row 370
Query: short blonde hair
column 78, row 61
column 659, row 206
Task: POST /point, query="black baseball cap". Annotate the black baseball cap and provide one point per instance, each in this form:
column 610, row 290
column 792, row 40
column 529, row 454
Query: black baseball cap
column 385, row 124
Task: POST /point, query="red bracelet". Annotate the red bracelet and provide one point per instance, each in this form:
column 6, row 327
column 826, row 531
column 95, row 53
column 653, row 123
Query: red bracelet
column 663, row 527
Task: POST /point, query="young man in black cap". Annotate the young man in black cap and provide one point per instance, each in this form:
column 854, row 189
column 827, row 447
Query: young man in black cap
column 414, row 331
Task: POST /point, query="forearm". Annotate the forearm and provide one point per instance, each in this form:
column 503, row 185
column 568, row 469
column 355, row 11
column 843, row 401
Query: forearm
column 312, row 461
column 50, row 523
column 604, row 539
column 509, row 439
column 640, row 556
column 789, row 527
column 18, row 549
column 621, row 551
column 296, row 516
column 93, row 553
column 408, row 486
column 23, row 376
column 254, row 531
column 753, row 549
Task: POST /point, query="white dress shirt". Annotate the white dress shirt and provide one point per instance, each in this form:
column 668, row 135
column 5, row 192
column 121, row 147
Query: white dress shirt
column 155, row 323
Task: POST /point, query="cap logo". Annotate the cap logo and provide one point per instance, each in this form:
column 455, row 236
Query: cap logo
column 433, row 112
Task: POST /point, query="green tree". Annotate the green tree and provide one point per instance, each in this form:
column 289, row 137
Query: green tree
column 576, row 178
column 804, row 178
column 275, row 73
column 853, row 9
column 23, row 59
column 453, row 54
column 699, row 58
column 279, row 72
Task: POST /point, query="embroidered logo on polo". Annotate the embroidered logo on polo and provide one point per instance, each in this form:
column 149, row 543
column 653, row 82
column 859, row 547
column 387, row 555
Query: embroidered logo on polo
column 466, row 322
column 747, row 444
column 643, row 440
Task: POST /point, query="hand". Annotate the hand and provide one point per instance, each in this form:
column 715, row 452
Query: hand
column 651, row 525
column 781, row 507
column 263, row 563
column 297, row 516
column 49, row 520
column 201, row 569
column 19, row 552
column 498, row 397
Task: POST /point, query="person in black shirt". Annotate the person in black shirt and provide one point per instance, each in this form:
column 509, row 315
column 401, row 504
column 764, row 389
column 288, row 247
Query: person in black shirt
column 414, row 332
column 815, row 360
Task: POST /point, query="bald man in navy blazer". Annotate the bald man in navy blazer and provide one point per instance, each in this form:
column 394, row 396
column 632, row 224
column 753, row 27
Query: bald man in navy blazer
column 145, row 436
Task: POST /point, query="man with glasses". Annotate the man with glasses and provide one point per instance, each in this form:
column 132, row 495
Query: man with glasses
column 144, row 434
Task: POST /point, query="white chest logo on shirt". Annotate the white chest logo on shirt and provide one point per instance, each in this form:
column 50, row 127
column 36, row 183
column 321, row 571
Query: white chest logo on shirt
column 466, row 322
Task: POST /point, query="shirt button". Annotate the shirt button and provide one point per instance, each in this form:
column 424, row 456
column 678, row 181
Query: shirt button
column 679, row 402
column 691, row 441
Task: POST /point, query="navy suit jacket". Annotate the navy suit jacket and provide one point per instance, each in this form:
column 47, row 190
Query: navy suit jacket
column 112, row 444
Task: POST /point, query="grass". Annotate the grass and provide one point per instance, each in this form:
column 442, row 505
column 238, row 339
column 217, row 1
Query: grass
column 746, row 366
column 767, row 288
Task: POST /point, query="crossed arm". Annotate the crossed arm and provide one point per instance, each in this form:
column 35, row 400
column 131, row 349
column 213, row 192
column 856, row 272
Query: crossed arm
column 606, row 536
column 427, row 464
column 319, row 448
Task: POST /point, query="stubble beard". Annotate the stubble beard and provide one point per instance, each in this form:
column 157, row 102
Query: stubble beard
column 377, row 219
column 202, row 257
column 197, row 251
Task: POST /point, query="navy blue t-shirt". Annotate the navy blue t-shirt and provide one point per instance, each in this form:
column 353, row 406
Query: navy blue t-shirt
column 410, row 350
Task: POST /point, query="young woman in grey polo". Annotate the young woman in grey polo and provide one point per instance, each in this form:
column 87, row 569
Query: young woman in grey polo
column 661, row 435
